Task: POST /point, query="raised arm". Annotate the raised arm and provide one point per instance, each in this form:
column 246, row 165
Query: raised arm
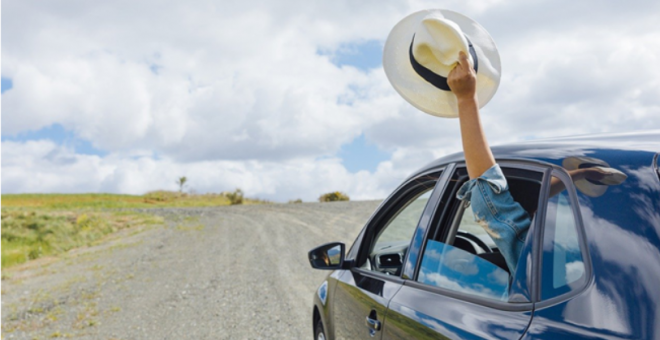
column 462, row 81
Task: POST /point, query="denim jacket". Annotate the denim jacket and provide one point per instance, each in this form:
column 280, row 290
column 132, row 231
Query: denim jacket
column 504, row 219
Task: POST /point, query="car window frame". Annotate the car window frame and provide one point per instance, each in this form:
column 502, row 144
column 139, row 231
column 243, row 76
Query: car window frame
column 413, row 256
column 545, row 170
column 563, row 175
column 383, row 214
column 656, row 164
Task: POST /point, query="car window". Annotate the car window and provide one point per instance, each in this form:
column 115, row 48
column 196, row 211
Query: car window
column 563, row 263
column 453, row 268
column 402, row 226
column 468, row 226
column 467, row 262
column 393, row 232
column 461, row 255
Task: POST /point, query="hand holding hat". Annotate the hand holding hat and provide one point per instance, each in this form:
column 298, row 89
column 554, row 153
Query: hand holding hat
column 462, row 80
column 423, row 49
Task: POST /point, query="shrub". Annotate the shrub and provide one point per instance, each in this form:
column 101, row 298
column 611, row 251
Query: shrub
column 295, row 201
column 334, row 196
column 235, row 197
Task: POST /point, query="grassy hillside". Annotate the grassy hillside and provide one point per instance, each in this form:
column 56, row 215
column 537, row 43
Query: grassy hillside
column 37, row 225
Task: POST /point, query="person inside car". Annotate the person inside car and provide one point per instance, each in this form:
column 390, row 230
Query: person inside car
column 504, row 219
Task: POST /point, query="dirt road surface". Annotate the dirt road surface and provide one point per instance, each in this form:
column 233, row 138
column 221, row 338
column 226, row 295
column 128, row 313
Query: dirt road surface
column 238, row 272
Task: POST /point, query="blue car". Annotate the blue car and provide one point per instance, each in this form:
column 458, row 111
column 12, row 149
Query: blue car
column 423, row 268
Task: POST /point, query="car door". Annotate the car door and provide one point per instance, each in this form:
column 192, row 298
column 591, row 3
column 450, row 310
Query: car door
column 460, row 287
column 362, row 293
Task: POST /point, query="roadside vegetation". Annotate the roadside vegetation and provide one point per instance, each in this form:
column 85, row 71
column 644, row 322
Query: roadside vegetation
column 154, row 199
column 334, row 196
column 38, row 225
column 29, row 234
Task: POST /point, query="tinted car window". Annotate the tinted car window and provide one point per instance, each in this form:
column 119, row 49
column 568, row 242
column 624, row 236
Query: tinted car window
column 462, row 257
column 402, row 226
column 391, row 244
column 470, row 226
column 563, row 263
column 453, row 268
column 458, row 266
column 388, row 237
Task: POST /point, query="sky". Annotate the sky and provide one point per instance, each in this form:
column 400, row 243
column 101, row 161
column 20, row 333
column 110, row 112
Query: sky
column 288, row 99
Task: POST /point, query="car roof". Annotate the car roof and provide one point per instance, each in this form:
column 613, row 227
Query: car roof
column 619, row 148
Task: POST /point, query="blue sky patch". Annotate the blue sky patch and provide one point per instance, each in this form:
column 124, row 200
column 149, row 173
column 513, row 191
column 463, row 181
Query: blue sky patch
column 60, row 136
column 362, row 155
column 364, row 55
column 7, row 84
column 155, row 69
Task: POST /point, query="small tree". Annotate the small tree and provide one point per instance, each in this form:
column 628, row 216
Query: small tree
column 181, row 182
column 334, row 196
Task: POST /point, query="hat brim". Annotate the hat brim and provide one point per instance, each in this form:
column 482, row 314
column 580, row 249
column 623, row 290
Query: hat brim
column 420, row 93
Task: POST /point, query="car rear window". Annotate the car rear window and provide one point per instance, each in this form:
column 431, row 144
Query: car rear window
column 563, row 263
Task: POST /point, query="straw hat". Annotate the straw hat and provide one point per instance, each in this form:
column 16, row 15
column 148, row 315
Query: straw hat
column 589, row 187
column 423, row 48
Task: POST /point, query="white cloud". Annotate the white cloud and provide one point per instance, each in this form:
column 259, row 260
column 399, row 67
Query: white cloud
column 231, row 83
column 235, row 94
column 43, row 166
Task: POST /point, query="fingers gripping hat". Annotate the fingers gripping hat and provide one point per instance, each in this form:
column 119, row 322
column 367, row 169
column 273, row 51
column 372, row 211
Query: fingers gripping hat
column 423, row 48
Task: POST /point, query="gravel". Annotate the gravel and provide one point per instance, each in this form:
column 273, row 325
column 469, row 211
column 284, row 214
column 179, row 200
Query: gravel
column 237, row 272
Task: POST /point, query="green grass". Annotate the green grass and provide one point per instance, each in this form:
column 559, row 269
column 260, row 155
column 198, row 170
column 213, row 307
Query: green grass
column 28, row 233
column 37, row 225
column 104, row 201
column 72, row 201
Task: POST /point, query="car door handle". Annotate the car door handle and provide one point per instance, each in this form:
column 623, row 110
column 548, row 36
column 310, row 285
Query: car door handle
column 373, row 324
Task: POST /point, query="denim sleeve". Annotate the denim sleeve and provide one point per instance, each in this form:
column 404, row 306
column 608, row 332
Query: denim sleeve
column 504, row 219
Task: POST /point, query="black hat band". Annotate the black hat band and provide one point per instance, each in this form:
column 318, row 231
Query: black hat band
column 434, row 78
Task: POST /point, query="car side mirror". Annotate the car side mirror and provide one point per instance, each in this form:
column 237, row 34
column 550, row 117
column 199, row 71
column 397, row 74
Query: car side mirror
column 328, row 256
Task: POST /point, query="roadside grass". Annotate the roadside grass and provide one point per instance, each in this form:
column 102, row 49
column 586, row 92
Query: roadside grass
column 29, row 234
column 152, row 199
column 38, row 225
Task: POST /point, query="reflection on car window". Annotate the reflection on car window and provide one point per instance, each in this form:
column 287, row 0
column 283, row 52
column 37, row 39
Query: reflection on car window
column 452, row 268
column 402, row 226
column 392, row 242
column 470, row 261
column 563, row 265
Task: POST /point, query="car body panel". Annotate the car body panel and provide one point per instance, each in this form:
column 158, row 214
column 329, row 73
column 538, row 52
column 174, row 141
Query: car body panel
column 322, row 307
column 360, row 294
column 419, row 313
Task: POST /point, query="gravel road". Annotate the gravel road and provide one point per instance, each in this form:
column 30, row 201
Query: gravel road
column 238, row 272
